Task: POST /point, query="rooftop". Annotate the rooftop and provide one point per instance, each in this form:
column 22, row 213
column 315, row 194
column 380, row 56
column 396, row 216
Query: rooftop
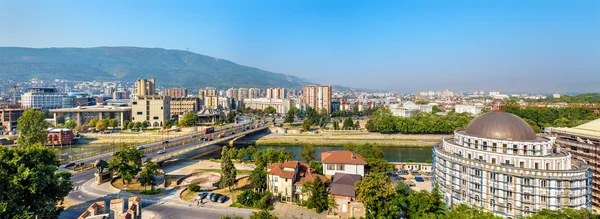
column 590, row 129
column 342, row 157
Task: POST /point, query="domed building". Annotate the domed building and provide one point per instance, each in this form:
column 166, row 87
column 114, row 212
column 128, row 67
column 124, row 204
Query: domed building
column 500, row 164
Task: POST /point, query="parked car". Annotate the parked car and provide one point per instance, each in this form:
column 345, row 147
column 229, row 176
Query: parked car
column 215, row 197
column 160, row 151
column 210, row 139
column 79, row 164
column 141, row 147
column 222, row 199
column 202, row 195
column 70, row 164
column 165, row 142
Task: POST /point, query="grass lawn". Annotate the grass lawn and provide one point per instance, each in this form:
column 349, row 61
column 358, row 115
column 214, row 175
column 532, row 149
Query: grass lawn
column 189, row 196
column 307, row 134
column 246, row 172
column 133, row 186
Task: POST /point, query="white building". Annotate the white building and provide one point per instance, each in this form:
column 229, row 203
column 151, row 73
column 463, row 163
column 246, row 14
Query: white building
column 470, row 109
column 498, row 163
column 409, row 108
column 42, row 98
column 342, row 162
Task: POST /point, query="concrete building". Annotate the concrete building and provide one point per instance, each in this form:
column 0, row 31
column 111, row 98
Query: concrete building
column 117, row 209
column 83, row 114
column 242, row 94
column 470, row 109
column 144, row 87
column 181, row 105
column 276, row 93
column 42, row 98
column 286, row 179
column 9, row 117
column 154, row 109
column 209, row 97
column 318, row 96
column 175, row 92
column 346, row 162
column 343, row 191
column 253, row 93
column 410, row 108
column 69, row 102
column 583, row 142
column 498, row 163
column 263, row 103
column 232, row 93
column 119, row 95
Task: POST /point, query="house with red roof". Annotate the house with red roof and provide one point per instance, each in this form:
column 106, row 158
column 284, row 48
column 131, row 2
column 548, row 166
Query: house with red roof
column 346, row 162
column 286, row 179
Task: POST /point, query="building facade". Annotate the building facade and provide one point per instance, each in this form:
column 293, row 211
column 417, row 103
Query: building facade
column 346, row 162
column 9, row 117
column 153, row 109
column 60, row 137
column 263, row 103
column 175, row 92
column 583, row 142
column 317, row 96
column 470, row 109
column 144, row 87
column 181, row 105
column 42, row 98
column 276, row 93
column 286, row 179
column 498, row 163
column 209, row 97
column 83, row 114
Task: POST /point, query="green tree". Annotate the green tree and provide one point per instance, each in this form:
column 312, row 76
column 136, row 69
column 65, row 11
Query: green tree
column 283, row 155
column 137, row 125
column 228, row 172
column 147, row 174
column 317, row 195
column 270, row 110
column 306, row 124
column 60, row 120
column 189, row 119
column 127, row 162
column 271, row 155
column 348, row 124
column 336, row 125
column 318, row 166
column 126, row 124
column 144, row 124
column 166, row 124
column 30, row 184
column 563, row 213
column 262, row 215
column 308, row 152
column 423, row 204
column 377, row 193
column 81, row 128
column 70, row 124
column 469, row 212
column 231, row 116
column 131, row 125
column 355, row 110
column 435, row 109
column 114, row 123
column 32, row 127
column 250, row 150
column 100, row 126
column 289, row 117
column 92, row 122
column 258, row 177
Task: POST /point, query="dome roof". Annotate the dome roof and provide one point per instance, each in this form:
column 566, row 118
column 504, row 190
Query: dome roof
column 501, row 125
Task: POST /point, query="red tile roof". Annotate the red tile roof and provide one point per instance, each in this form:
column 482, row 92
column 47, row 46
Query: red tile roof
column 305, row 173
column 342, row 157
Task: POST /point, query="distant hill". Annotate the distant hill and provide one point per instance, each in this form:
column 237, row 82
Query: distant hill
column 172, row 68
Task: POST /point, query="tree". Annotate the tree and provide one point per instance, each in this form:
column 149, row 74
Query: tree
column 228, row 172
column 144, row 124
column 137, row 125
column 377, row 193
column 126, row 124
column 127, row 162
column 471, row 212
column 289, row 117
column 355, row 109
column 308, row 152
column 92, row 122
column 317, row 195
column 357, row 125
column 250, row 150
column 30, row 184
column 100, row 126
column 563, row 213
column 114, row 123
column 318, row 166
column 3, row 128
column 270, row 110
column 306, row 124
column 189, row 119
column 147, row 175
column 425, row 204
column 70, row 124
column 32, row 127
column 379, row 165
column 336, row 125
column 81, row 128
column 166, row 124
column 435, row 109
column 131, row 125
column 258, row 177
column 60, row 120
column 271, row 155
column 262, row 215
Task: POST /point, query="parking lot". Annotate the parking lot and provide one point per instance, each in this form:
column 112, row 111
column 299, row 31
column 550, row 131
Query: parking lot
column 416, row 180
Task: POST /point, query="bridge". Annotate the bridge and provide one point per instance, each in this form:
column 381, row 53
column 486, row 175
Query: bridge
column 196, row 142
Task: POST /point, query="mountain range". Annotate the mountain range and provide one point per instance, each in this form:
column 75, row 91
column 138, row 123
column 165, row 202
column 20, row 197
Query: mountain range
column 171, row 68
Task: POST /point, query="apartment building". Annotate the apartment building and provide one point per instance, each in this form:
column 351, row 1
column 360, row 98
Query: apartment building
column 152, row 108
column 318, row 96
column 175, row 92
column 43, row 98
column 144, row 87
column 209, row 97
column 276, row 93
column 181, row 105
column 9, row 117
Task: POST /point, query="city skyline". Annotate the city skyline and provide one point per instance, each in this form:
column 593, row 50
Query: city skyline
column 508, row 46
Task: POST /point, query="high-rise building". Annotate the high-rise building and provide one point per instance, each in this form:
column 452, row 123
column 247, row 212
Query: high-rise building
column 583, row 142
column 151, row 108
column 9, row 117
column 253, row 93
column 145, row 87
column 109, row 90
column 118, row 95
column 276, row 93
column 317, row 96
column 208, row 97
column 42, row 98
column 175, row 92
column 499, row 164
column 242, row 94
column 232, row 93
column 181, row 105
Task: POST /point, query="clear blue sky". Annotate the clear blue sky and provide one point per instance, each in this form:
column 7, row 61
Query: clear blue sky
column 536, row 46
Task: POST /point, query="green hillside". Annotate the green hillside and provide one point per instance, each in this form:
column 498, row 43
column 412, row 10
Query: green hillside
column 170, row 67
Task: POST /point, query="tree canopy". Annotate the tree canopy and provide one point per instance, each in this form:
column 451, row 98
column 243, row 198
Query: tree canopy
column 228, row 171
column 32, row 127
column 127, row 162
column 308, row 152
column 189, row 119
column 421, row 123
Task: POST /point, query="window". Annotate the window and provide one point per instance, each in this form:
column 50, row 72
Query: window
column 491, row 203
column 509, row 194
column 527, row 197
column 527, row 182
column 275, row 189
column 537, row 165
column 340, row 167
column 547, row 166
column 275, row 178
column 543, row 183
column 509, row 207
column 521, row 164
column 155, row 118
column 509, row 179
column 134, row 103
column 543, row 198
column 140, row 113
column 494, row 160
column 330, row 166
column 464, row 182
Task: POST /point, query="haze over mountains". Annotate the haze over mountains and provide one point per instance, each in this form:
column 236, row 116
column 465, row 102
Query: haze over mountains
column 172, row 68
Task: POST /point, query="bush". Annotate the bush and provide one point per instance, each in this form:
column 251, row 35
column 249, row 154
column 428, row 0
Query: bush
column 254, row 199
column 150, row 192
column 194, row 187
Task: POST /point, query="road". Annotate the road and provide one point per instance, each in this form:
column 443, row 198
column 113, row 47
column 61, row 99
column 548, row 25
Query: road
column 78, row 179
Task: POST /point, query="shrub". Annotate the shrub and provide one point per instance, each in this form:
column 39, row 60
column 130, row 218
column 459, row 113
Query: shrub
column 194, row 187
column 150, row 192
column 254, row 199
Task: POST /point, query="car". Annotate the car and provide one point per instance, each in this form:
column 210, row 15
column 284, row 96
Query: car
column 165, row 142
column 79, row 164
column 160, row 151
column 210, row 195
column 141, row 147
column 215, row 197
column 70, row 164
column 210, row 139
column 193, row 136
column 202, row 195
column 222, row 199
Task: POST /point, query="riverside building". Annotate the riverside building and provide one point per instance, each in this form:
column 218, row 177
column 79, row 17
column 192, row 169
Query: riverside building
column 498, row 163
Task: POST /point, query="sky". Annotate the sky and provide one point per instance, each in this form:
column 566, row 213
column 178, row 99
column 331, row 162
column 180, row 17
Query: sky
column 406, row 46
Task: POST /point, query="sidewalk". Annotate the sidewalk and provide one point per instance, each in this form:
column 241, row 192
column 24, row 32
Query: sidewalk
column 284, row 210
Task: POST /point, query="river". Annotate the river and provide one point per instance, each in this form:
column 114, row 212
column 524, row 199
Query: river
column 392, row 154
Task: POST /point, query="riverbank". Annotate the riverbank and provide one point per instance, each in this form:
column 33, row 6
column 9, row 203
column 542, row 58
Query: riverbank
column 327, row 139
